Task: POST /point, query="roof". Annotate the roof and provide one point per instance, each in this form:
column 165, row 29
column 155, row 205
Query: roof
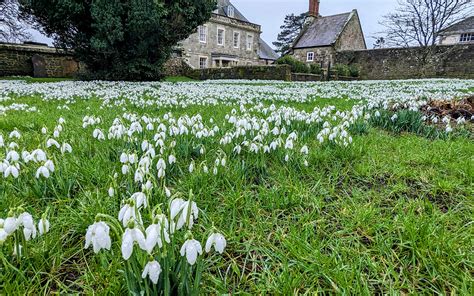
column 466, row 25
column 323, row 31
column 265, row 52
column 222, row 9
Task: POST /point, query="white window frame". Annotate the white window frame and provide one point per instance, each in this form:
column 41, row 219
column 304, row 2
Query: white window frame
column 223, row 36
column 248, row 45
column 466, row 37
column 308, row 55
column 203, row 33
column 207, row 62
column 230, row 11
column 238, row 39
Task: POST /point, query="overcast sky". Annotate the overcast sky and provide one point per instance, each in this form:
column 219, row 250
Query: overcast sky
column 271, row 13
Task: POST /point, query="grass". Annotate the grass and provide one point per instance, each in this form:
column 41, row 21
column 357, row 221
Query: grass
column 391, row 214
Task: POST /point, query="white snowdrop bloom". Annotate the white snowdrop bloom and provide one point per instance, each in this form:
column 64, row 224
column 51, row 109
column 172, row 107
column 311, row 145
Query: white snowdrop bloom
column 98, row 134
column 42, row 172
column 132, row 158
column 52, row 142
column 161, row 164
column 13, row 156
column 191, row 249
column 13, row 145
column 171, row 159
column 125, row 169
column 44, row 130
column 217, row 241
column 223, row 162
column 56, row 133
column 449, row 129
column 49, row 165
column 150, row 127
column 287, row 157
column 43, row 226
column 10, row 225
column 98, row 236
column 111, row 192
column 66, row 148
column 205, row 169
column 123, row 158
column 191, row 167
column 377, row 113
column 461, row 121
column 304, row 150
column 161, row 173
column 15, row 134
column 237, row 149
column 152, row 270
column 2, row 142
column 446, row 119
column 127, row 213
column 29, row 228
column 305, row 163
column 155, row 235
column 394, row 117
column 214, row 170
column 181, row 207
column 140, row 199
column 130, row 237
column 11, row 170
column 38, row 155
column 61, row 120
column 148, row 186
column 167, row 192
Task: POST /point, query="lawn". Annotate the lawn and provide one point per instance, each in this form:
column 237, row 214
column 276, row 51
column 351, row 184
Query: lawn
column 333, row 187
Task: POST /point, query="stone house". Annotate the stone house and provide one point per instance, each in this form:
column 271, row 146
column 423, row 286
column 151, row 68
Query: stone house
column 323, row 36
column 227, row 39
column 459, row 33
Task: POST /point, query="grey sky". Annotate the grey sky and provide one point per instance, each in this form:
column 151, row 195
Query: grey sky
column 271, row 13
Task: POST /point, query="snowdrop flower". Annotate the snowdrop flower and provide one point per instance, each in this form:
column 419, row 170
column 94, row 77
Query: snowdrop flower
column 161, row 164
column 52, row 142
column 12, row 156
column 111, row 192
column 43, row 226
column 124, row 158
column 181, row 207
column 29, row 229
column 130, row 237
column 167, row 192
column 304, row 150
column 125, row 169
column 217, row 241
column 171, row 159
column 98, row 236
column 155, row 233
column 394, row 117
column 191, row 167
column 140, row 199
column 42, row 171
column 15, row 134
column 66, row 148
column 191, row 249
column 44, row 130
column 153, row 270
column 10, row 225
column 2, row 142
column 98, row 134
column 127, row 212
column 3, row 235
column 12, row 170
column 449, row 128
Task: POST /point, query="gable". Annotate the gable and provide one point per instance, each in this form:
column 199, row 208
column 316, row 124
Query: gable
column 222, row 9
column 323, row 31
column 465, row 26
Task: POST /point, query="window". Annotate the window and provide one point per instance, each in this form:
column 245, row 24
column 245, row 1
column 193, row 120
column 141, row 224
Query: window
column 310, row 57
column 467, row 37
column 202, row 31
column 220, row 36
column 236, row 39
column 249, row 42
column 230, row 11
column 202, row 62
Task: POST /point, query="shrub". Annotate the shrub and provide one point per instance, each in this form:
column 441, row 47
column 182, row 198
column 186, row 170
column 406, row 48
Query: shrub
column 341, row 70
column 296, row 66
column 315, row 69
column 353, row 71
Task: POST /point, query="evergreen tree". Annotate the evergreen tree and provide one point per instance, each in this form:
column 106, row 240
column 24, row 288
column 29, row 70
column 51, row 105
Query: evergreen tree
column 119, row 39
column 291, row 28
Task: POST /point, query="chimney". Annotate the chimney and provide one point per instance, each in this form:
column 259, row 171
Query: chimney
column 313, row 8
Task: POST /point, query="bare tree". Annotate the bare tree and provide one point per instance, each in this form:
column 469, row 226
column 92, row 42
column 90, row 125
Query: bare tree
column 12, row 29
column 418, row 22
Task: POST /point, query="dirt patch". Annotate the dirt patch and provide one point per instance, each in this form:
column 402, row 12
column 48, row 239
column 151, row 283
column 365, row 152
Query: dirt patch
column 456, row 109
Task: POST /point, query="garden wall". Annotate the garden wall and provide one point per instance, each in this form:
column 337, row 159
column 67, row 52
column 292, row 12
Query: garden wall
column 273, row 72
column 455, row 61
column 17, row 60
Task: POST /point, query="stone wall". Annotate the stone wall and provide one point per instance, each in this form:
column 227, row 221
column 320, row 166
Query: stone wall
column 16, row 60
column 306, row 77
column 456, row 61
column 277, row 72
column 322, row 55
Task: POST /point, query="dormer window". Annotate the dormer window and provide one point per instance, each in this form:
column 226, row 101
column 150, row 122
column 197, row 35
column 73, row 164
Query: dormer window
column 230, row 11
